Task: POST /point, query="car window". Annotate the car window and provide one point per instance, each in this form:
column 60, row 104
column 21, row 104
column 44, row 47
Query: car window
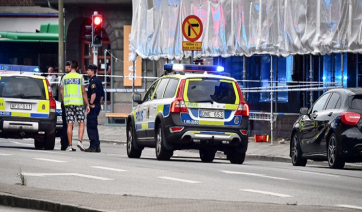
column 357, row 103
column 211, row 90
column 148, row 95
column 160, row 89
column 171, row 88
column 319, row 104
column 332, row 104
column 22, row 87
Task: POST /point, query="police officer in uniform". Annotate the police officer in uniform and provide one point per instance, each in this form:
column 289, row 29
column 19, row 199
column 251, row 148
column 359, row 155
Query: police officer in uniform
column 95, row 96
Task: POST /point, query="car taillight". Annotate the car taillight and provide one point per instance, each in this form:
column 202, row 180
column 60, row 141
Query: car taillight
column 179, row 106
column 350, row 118
column 52, row 103
column 176, row 129
column 243, row 110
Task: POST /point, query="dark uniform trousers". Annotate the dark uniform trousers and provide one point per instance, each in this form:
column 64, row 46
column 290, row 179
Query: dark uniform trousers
column 92, row 123
column 64, row 137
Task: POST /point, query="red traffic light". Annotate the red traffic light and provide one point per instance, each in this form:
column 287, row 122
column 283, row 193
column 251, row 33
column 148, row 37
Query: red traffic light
column 97, row 20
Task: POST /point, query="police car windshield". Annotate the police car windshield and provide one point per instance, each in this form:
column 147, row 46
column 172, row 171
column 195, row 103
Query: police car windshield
column 22, row 87
column 211, row 90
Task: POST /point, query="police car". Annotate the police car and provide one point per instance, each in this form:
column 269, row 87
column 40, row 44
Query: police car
column 190, row 107
column 27, row 109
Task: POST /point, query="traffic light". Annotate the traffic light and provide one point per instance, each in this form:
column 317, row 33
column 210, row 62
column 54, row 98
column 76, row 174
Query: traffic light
column 97, row 21
column 88, row 33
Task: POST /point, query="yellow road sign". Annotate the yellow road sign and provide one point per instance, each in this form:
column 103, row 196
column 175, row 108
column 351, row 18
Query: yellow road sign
column 191, row 46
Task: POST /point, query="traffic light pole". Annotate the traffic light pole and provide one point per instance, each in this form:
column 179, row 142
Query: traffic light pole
column 95, row 55
column 61, row 37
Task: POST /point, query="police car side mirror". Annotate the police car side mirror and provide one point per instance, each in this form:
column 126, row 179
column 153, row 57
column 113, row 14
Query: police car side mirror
column 137, row 98
column 304, row 111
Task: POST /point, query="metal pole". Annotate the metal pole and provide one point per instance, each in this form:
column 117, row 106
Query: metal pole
column 271, row 100
column 342, row 70
column 133, row 80
column 311, row 79
column 112, row 94
column 105, row 80
column 61, row 37
column 244, row 75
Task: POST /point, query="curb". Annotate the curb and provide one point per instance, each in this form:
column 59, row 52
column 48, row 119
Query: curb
column 29, row 203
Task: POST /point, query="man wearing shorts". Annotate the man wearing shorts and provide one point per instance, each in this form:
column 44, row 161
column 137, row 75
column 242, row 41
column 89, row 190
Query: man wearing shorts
column 74, row 98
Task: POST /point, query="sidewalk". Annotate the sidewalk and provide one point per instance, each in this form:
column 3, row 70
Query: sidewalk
column 259, row 150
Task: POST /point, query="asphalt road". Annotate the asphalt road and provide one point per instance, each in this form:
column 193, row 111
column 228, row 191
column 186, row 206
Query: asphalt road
column 184, row 177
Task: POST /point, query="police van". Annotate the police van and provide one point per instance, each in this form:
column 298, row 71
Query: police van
column 190, row 107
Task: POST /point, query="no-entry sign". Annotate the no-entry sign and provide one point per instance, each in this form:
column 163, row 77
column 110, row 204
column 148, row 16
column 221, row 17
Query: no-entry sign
column 192, row 28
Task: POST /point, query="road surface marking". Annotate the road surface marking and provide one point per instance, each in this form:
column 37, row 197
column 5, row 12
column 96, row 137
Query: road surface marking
column 4, row 154
column 39, row 151
column 266, row 192
column 350, row 206
column 330, row 175
column 15, row 142
column 65, row 174
column 50, row 160
column 180, row 180
column 254, row 174
column 106, row 168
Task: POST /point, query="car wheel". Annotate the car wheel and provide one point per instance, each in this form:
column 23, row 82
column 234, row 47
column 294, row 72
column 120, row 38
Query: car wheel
column 39, row 144
column 161, row 152
column 49, row 141
column 207, row 155
column 334, row 160
column 132, row 152
column 236, row 156
column 296, row 152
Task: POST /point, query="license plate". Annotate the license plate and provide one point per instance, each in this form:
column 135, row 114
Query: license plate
column 59, row 119
column 20, row 106
column 211, row 114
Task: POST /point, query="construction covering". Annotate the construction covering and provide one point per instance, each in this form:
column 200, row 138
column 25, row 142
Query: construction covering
column 247, row 27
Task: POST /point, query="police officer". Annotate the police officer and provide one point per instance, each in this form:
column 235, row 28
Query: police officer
column 95, row 96
column 64, row 137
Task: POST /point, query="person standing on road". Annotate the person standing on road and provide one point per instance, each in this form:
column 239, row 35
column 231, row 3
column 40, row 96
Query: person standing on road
column 95, row 96
column 52, row 78
column 64, row 137
column 74, row 98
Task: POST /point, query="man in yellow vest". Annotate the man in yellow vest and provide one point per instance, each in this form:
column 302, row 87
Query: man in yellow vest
column 74, row 98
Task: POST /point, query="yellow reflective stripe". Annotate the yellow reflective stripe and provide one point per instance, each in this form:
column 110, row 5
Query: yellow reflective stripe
column 40, row 106
column 159, row 109
column 229, row 133
column 186, row 99
column 192, row 105
column 198, row 132
column 228, row 81
column 20, row 114
column 201, row 122
column 231, row 107
column 144, row 125
column 2, row 104
column 237, row 100
column 46, row 90
column 195, row 79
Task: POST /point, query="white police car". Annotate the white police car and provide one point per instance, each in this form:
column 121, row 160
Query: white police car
column 190, row 107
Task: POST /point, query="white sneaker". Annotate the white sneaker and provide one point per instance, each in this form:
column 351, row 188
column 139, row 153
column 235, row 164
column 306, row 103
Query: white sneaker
column 70, row 149
column 80, row 146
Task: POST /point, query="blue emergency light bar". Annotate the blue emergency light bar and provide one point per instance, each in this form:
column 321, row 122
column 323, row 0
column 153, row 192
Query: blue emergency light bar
column 192, row 68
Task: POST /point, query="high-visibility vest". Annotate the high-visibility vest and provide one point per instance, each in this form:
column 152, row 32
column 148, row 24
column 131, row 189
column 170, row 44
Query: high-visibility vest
column 72, row 89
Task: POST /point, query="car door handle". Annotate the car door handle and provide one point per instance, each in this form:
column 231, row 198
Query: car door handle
column 329, row 114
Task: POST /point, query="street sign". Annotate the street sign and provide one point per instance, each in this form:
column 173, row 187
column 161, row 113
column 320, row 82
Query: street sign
column 191, row 46
column 192, row 28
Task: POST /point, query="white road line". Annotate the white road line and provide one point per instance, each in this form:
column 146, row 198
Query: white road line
column 50, row 160
column 180, row 180
column 4, row 154
column 350, row 206
column 266, row 192
column 106, row 168
column 330, row 175
column 39, row 151
column 15, row 142
column 254, row 174
column 64, row 174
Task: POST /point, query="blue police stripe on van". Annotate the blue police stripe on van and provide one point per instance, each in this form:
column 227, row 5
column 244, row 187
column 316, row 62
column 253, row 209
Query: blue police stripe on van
column 39, row 115
column 72, row 81
column 166, row 110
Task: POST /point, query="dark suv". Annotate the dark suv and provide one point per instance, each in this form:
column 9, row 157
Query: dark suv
column 27, row 109
column 330, row 131
column 190, row 107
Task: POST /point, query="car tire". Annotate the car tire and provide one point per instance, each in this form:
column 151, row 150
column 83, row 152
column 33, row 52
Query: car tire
column 132, row 151
column 236, row 156
column 39, row 144
column 49, row 141
column 207, row 155
column 296, row 152
column 334, row 160
column 161, row 152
